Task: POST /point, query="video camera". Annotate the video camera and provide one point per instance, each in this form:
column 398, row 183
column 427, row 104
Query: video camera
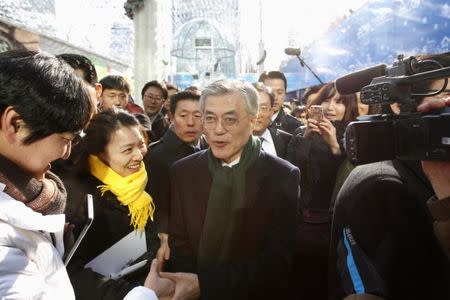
column 409, row 135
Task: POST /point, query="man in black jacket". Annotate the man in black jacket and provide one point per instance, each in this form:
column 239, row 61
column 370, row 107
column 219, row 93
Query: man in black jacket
column 280, row 120
column 232, row 224
column 273, row 140
column 154, row 94
column 183, row 138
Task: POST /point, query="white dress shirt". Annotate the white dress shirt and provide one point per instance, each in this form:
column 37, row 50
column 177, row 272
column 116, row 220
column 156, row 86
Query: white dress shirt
column 267, row 143
column 231, row 164
column 275, row 115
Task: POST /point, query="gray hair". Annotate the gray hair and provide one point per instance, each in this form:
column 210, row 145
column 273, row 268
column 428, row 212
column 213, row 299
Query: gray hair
column 224, row 87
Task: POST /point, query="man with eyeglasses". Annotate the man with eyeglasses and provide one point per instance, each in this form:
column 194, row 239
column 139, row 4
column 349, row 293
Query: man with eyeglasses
column 232, row 226
column 154, row 94
column 273, row 141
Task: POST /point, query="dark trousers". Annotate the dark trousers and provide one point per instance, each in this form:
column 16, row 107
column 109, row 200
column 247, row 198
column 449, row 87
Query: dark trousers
column 311, row 257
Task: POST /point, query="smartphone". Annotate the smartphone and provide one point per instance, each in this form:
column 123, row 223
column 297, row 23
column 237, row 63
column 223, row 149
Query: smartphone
column 89, row 220
column 316, row 112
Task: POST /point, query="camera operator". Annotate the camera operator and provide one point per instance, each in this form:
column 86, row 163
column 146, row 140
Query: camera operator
column 390, row 236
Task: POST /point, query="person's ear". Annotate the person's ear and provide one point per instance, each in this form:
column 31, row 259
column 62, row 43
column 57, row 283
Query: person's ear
column 169, row 113
column 98, row 90
column 12, row 124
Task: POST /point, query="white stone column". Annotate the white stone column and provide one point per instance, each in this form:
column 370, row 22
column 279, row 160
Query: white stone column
column 152, row 43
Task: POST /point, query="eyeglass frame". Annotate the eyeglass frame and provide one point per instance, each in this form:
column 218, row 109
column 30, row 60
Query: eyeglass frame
column 154, row 97
column 76, row 139
column 264, row 108
column 213, row 125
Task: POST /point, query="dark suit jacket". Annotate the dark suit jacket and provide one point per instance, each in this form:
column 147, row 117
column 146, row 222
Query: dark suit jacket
column 263, row 246
column 161, row 156
column 159, row 127
column 281, row 141
column 286, row 122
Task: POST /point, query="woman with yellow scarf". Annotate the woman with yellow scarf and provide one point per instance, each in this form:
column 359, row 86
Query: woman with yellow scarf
column 114, row 173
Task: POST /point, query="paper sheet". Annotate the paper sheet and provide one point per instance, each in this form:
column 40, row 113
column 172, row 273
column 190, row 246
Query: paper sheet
column 119, row 255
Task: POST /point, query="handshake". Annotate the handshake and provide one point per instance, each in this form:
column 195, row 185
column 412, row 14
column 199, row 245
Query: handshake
column 175, row 286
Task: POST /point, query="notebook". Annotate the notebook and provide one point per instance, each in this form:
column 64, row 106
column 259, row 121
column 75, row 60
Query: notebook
column 119, row 256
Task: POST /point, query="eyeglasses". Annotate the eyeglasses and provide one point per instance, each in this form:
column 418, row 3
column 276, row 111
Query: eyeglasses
column 259, row 86
column 264, row 108
column 76, row 139
column 150, row 97
column 227, row 123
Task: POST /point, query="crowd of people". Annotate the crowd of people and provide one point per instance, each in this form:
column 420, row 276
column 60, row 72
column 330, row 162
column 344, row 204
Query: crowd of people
column 235, row 193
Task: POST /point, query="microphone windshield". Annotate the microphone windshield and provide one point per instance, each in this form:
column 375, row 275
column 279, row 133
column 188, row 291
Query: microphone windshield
column 293, row 51
column 354, row 82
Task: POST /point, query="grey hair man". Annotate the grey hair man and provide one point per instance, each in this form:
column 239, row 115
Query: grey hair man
column 232, row 226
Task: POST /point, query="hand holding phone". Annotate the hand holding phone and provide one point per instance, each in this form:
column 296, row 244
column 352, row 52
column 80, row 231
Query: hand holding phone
column 315, row 116
column 316, row 112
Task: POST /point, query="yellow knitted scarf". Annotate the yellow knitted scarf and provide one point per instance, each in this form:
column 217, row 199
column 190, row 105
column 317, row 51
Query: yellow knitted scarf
column 129, row 190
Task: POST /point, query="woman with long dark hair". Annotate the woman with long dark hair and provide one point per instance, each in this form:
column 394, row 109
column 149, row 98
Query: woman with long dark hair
column 318, row 152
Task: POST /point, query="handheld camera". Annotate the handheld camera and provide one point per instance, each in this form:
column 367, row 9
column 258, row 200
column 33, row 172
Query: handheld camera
column 410, row 135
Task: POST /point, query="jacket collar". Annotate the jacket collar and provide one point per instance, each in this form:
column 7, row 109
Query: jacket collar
column 156, row 117
column 19, row 215
column 171, row 139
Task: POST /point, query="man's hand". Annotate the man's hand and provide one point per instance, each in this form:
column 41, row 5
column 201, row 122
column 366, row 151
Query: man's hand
column 434, row 104
column 163, row 251
column 186, row 285
column 161, row 286
column 438, row 172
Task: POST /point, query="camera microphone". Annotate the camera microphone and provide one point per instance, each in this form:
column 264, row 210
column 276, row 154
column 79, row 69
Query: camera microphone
column 354, row 82
column 293, row 51
column 296, row 52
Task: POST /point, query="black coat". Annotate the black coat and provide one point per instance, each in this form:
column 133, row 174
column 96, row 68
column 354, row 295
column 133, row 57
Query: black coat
column 68, row 170
column 111, row 223
column 286, row 122
column 161, row 156
column 263, row 246
column 281, row 141
column 159, row 127
column 384, row 204
column 318, row 165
